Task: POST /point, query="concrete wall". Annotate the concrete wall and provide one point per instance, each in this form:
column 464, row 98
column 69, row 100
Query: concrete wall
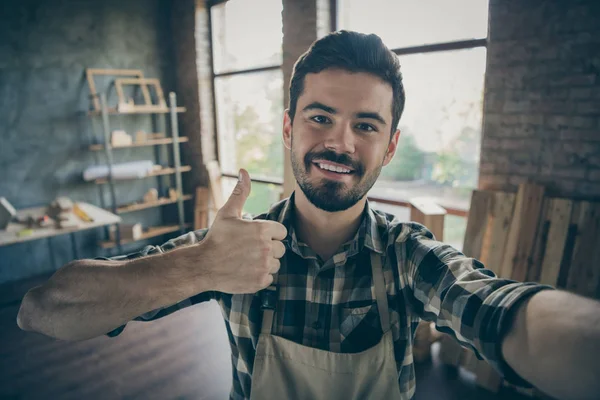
column 542, row 98
column 45, row 46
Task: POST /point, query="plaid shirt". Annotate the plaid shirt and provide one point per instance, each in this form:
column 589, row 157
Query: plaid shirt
column 331, row 305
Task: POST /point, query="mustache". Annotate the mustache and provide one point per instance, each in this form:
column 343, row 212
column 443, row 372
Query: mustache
column 329, row 155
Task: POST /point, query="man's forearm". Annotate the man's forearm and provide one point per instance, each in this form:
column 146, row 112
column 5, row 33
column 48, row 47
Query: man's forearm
column 88, row 298
column 553, row 343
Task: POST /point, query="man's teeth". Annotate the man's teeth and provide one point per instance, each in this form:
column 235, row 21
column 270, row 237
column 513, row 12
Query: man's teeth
column 334, row 168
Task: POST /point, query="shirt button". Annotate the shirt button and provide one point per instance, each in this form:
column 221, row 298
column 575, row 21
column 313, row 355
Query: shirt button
column 316, row 325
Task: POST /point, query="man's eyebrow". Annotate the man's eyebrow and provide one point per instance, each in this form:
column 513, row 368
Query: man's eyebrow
column 371, row 115
column 315, row 105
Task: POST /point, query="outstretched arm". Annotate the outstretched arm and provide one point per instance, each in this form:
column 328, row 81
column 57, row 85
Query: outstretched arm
column 554, row 343
column 88, row 298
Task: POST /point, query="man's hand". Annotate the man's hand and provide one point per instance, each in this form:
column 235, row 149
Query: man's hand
column 240, row 255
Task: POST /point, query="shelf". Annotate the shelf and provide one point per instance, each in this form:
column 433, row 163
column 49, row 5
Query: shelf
column 150, row 233
column 157, row 110
column 149, row 142
column 143, row 206
column 164, row 171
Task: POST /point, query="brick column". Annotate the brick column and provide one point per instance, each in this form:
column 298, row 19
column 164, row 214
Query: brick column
column 304, row 21
column 191, row 48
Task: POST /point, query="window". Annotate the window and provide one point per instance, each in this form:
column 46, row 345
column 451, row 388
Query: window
column 441, row 48
column 248, row 84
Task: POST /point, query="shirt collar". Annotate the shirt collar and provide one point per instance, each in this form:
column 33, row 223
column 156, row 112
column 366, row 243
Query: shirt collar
column 368, row 234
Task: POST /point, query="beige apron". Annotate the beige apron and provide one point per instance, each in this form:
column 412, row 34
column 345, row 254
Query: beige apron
column 287, row 370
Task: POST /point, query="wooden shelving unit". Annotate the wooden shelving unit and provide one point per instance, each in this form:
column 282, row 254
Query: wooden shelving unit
column 161, row 110
column 142, row 206
column 149, row 142
column 163, row 171
column 148, row 234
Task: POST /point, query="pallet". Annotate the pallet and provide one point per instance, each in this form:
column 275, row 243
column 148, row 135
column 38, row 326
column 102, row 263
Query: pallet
column 529, row 237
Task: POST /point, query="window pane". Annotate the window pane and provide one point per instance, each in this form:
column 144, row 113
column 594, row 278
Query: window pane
column 405, row 23
column 438, row 150
column 246, row 34
column 250, row 117
column 261, row 197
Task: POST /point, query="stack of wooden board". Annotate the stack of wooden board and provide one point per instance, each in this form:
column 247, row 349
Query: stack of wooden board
column 530, row 237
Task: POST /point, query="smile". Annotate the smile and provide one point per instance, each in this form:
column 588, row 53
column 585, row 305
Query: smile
column 338, row 169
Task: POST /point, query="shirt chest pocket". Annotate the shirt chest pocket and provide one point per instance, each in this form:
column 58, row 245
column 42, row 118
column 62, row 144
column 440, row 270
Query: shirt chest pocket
column 360, row 327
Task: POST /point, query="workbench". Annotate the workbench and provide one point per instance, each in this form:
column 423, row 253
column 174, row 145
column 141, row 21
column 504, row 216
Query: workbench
column 99, row 216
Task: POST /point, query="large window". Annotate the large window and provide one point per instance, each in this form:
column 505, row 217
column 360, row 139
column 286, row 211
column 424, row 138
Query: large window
column 441, row 48
column 248, row 86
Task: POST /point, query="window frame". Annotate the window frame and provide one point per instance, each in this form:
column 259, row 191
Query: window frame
column 214, row 76
column 421, row 49
column 334, row 6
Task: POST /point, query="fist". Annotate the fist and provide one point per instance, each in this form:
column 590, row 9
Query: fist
column 242, row 255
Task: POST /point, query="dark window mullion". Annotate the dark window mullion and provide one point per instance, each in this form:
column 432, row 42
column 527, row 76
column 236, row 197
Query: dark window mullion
column 429, row 48
column 247, row 71
column 258, row 179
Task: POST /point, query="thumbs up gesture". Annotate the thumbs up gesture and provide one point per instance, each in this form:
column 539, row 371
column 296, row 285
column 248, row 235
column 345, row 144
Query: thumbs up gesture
column 239, row 255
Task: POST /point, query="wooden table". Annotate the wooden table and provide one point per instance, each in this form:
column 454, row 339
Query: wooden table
column 100, row 218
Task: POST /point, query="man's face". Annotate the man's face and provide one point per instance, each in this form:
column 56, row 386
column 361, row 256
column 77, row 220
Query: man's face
column 341, row 136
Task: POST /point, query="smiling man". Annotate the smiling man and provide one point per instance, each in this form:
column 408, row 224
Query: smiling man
column 322, row 294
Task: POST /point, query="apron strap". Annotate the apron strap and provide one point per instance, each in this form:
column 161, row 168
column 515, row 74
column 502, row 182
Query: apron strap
column 380, row 292
column 270, row 295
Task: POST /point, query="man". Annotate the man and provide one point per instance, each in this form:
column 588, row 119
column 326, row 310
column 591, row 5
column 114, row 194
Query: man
column 321, row 295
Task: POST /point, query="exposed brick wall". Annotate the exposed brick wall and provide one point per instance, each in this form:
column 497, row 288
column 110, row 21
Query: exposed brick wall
column 542, row 98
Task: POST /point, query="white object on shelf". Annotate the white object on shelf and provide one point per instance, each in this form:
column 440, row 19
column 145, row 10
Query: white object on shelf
column 134, row 169
column 120, row 138
column 127, row 232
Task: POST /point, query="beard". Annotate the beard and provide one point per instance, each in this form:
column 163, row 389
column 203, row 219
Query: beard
column 330, row 195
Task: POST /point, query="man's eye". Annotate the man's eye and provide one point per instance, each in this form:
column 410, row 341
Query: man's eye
column 366, row 127
column 320, row 119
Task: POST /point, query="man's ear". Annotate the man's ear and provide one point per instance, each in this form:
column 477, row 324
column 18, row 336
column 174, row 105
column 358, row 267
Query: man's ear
column 392, row 146
column 287, row 130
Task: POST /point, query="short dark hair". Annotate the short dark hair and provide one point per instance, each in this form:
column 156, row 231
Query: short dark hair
column 353, row 52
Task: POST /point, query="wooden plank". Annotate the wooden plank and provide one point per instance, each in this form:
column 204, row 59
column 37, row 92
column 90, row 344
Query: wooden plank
column 572, row 234
column 143, row 83
column 477, row 223
column 149, row 142
column 90, row 72
column 426, row 212
column 142, row 206
column 502, row 210
column 521, row 237
column 163, row 171
column 584, row 274
column 559, row 217
column 201, row 208
column 540, row 242
column 214, row 175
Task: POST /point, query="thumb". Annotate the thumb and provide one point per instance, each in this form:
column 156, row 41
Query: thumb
column 235, row 204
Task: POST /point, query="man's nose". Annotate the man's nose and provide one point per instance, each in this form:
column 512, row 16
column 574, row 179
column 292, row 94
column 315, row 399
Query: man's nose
column 341, row 139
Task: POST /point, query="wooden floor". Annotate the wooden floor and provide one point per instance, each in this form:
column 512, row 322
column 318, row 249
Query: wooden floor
column 183, row 356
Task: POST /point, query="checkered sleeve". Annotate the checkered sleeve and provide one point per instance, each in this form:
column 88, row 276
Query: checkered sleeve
column 463, row 298
column 183, row 240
